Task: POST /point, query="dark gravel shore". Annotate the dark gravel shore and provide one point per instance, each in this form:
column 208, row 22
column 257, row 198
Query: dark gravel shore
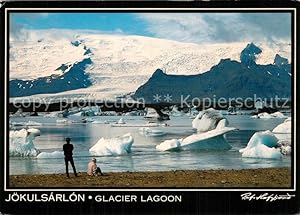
column 268, row 177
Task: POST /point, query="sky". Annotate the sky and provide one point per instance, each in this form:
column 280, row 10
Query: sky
column 183, row 27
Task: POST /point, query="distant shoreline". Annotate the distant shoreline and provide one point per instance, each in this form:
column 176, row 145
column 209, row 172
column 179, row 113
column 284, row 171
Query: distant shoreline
column 249, row 178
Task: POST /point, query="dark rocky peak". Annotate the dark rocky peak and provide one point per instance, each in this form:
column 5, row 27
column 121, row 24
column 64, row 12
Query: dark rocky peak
column 248, row 55
column 158, row 73
column 280, row 61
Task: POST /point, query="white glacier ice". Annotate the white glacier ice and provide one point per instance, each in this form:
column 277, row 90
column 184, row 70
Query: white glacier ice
column 283, row 132
column 263, row 144
column 55, row 154
column 113, row 146
column 266, row 115
column 21, row 142
column 210, row 140
column 209, row 119
column 278, row 115
column 151, row 132
column 32, row 123
column 169, row 145
column 262, row 151
column 284, row 128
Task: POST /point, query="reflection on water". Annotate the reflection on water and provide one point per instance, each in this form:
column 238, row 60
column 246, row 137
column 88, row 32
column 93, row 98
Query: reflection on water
column 144, row 157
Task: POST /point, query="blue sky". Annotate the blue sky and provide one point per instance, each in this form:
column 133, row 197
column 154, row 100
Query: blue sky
column 189, row 27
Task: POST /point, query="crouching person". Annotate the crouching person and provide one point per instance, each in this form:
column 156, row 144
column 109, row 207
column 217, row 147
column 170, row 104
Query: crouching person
column 93, row 169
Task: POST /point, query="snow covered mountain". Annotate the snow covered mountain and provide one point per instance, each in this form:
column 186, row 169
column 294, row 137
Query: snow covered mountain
column 227, row 79
column 49, row 63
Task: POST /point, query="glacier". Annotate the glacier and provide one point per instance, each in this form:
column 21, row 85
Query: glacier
column 124, row 55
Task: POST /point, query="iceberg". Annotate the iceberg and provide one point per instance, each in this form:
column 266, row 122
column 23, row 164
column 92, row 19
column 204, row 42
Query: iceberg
column 21, row 142
column 278, row 115
column 265, row 115
column 263, row 144
column 208, row 120
column 283, row 132
column 113, row 146
column 211, row 126
column 151, row 132
column 284, row 128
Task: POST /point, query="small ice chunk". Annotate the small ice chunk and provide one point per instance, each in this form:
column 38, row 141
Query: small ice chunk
column 121, row 121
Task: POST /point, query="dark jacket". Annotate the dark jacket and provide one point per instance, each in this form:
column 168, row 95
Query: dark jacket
column 68, row 150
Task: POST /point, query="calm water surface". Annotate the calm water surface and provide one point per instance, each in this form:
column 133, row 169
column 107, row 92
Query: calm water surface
column 144, row 156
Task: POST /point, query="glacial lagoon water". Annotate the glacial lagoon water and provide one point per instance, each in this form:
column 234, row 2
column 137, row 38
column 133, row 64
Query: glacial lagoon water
column 144, row 156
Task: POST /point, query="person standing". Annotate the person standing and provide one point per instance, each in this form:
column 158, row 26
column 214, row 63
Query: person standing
column 68, row 152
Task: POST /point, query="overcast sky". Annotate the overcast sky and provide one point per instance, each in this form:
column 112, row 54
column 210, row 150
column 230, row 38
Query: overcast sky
column 185, row 27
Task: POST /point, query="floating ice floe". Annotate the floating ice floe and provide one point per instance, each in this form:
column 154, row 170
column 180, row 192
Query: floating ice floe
column 263, row 144
column 100, row 122
column 211, row 126
column 151, row 132
column 167, row 145
column 55, row 154
column 138, row 125
column 21, row 142
column 29, row 123
column 266, row 115
column 32, row 123
column 278, row 115
column 113, row 146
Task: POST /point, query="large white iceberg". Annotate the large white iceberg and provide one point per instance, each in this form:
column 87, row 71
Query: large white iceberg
column 283, row 131
column 211, row 126
column 113, row 146
column 21, row 142
column 263, row 144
